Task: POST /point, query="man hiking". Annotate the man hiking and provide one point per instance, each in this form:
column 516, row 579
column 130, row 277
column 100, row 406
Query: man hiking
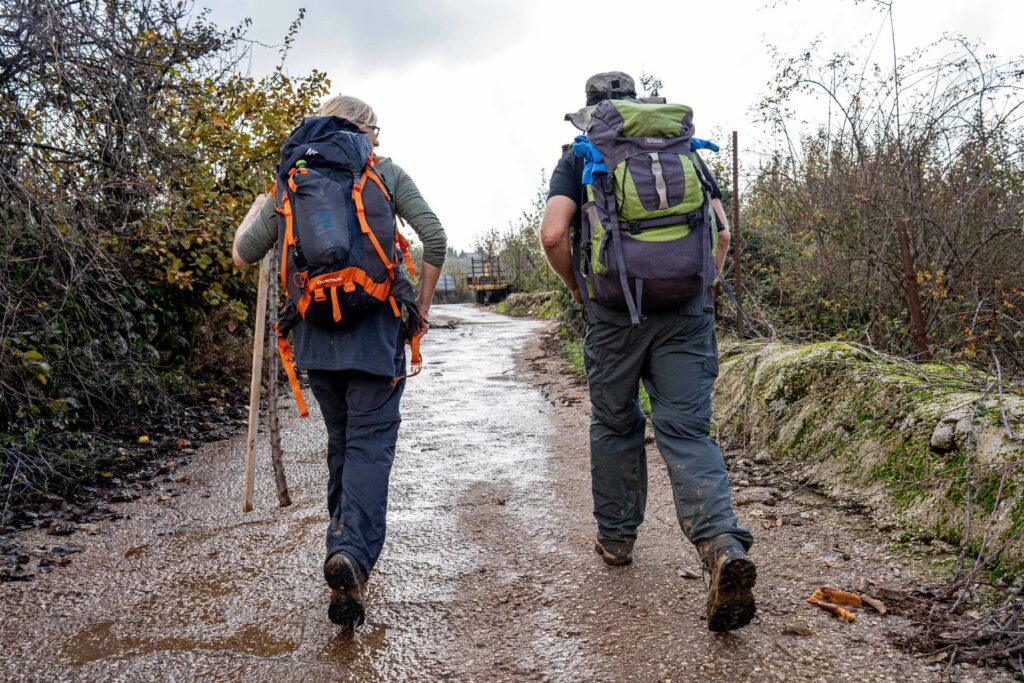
column 334, row 210
column 630, row 228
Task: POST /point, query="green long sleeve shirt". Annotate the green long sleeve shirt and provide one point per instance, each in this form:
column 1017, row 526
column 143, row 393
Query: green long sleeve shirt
column 261, row 236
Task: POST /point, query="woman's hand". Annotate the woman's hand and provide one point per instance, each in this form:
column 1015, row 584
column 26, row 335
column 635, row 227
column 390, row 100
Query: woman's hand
column 424, row 309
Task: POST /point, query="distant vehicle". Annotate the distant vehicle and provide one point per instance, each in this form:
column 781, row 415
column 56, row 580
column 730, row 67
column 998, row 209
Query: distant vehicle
column 446, row 284
column 487, row 281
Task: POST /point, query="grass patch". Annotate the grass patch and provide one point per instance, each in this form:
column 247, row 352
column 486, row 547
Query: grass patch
column 534, row 305
column 572, row 349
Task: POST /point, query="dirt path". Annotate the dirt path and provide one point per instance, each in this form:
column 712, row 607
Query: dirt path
column 488, row 573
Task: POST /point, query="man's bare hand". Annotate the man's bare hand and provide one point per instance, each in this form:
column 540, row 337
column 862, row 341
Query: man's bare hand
column 576, row 296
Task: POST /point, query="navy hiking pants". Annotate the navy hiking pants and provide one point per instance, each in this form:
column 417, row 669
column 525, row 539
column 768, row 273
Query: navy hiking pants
column 362, row 417
column 676, row 357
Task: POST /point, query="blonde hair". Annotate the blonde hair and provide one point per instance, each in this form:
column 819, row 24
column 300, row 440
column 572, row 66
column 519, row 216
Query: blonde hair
column 351, row 108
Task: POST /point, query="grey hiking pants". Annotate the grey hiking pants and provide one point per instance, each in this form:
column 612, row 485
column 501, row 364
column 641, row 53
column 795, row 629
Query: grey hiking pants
column 676, row 356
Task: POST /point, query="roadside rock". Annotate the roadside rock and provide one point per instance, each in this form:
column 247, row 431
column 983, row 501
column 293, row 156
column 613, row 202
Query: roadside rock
column 944, row 437
column 756, row 494
column 62, row 529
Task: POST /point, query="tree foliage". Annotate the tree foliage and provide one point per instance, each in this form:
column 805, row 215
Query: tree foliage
column 518, row 247
column 911, row 194
column 130, row 147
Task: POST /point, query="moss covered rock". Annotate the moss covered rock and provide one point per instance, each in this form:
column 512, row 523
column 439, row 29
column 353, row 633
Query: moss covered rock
column 917, row 444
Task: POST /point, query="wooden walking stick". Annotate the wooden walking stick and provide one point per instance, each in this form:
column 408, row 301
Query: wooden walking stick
column 284, row 499
column 259, row 329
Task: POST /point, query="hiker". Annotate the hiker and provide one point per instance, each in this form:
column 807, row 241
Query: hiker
column 356, row 358
column 629, row 228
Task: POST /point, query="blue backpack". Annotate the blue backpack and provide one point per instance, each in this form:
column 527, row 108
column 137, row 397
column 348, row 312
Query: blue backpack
column 339, row 249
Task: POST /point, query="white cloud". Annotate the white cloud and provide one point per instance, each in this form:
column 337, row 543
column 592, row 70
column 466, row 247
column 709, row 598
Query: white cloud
column 470, row 95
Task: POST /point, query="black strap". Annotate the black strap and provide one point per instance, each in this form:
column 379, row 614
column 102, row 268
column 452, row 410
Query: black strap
column 577, row 270
column 287, row 318
column 702, row 173
column 691, row 219
column 606, row 194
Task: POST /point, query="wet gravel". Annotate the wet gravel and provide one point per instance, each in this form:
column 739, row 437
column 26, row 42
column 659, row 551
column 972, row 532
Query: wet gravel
column 488, row 572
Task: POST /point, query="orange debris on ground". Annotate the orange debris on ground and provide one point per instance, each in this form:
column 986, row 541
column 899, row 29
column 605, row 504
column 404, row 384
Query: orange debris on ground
column 833, row 600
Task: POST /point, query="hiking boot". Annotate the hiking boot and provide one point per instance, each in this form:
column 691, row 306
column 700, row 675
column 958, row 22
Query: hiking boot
column 615, row 554
column 730, row 596
column 346, row 580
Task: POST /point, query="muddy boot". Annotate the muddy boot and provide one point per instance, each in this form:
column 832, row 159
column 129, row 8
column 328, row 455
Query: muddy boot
column 613, row 553
column 730, row 597
column 346, row 581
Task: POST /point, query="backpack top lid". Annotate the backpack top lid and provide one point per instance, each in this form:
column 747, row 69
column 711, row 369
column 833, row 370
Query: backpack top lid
column 622, row 128
column 325, row 142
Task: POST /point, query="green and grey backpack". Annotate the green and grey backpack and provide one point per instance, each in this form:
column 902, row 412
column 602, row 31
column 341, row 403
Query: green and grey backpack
column 648, row 231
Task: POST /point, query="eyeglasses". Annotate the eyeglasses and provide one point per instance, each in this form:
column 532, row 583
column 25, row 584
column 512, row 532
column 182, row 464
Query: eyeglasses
column 375, row 129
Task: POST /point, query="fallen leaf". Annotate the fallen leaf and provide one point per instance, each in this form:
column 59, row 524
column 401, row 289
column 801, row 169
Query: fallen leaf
column 685, row 573
column 875, row 604
column 143, row 439
column 935, row 658
column 757, row 512
column 63, row 529
column 888, row 593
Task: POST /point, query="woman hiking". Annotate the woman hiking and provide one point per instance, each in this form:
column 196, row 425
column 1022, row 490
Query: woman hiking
column 356, row 360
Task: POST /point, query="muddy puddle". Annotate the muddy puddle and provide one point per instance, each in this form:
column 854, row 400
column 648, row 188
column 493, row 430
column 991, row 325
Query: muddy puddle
column 488, row 573
column 195, row 588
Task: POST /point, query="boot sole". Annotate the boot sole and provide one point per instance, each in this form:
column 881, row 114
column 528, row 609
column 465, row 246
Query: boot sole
column 609, row 558
column 734, row 603
column 346, row 608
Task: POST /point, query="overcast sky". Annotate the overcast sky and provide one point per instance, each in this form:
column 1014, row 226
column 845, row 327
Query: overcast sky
column 470, row 95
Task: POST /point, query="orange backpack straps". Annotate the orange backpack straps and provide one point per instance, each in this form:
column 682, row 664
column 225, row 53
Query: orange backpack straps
column 403, row 245
column 288, row 361
column 415, row 362
column 357, row 197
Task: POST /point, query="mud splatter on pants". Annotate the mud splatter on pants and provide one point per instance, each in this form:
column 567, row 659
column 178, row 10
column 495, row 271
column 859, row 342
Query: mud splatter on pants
column 676, row 357
column 361, row 412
